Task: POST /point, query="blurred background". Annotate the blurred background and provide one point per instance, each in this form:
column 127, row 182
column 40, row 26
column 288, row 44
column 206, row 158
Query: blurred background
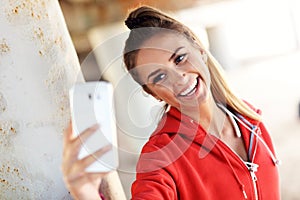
column 256, row 41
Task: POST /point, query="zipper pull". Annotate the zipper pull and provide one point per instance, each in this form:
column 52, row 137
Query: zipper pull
column 252, row 166
column 254, row 178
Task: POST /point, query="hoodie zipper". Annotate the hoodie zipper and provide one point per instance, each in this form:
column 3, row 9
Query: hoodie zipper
column 252, row 174
column 252, row 169
column 254, row 179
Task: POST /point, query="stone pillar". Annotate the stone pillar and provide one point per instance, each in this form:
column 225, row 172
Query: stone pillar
column 38, row 65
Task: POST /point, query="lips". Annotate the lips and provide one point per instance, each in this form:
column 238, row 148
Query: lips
column 191, row 89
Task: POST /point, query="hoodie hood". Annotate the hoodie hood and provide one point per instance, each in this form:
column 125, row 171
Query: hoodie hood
column 173, row 122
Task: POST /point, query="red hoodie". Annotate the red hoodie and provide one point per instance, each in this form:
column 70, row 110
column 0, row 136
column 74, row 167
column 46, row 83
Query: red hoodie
column 182, row 161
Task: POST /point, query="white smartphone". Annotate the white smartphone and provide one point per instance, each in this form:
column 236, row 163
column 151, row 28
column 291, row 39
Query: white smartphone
column 91, row 103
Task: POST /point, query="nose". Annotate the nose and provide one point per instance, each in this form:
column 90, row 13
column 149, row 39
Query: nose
column 179, row 77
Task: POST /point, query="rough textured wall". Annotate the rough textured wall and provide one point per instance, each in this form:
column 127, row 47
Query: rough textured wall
column 38, row 64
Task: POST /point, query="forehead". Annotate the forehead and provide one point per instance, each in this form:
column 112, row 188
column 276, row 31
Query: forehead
column 156, row 52
column 160, row 47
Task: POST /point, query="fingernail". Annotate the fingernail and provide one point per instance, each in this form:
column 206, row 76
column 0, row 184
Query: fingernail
column 109, row 146
column 95, row 126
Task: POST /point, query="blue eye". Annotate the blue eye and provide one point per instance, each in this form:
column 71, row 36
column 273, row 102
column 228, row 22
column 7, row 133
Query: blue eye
column 179, row 58
column 159, row 77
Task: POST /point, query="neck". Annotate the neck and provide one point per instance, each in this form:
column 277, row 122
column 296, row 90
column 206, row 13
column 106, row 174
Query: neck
column 219, row 122
column 209, row 116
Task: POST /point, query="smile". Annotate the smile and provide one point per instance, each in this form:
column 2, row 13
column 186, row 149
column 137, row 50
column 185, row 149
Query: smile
column 191, row 89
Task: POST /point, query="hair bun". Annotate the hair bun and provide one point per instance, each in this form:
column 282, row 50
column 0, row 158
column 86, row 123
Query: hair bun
column 141, row 21
column 132, row 23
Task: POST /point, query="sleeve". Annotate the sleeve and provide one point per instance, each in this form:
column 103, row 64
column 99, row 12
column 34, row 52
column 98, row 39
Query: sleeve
column 156, row 172
column 267, row 138
column 154, row 185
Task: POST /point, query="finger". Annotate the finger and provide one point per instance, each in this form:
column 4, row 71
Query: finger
column 81, row 179
column 96, row 178
column 88, row 160
column 78, row 141
column 96, row 175
column 77, row 169
column 68, row 132
column 72, row 148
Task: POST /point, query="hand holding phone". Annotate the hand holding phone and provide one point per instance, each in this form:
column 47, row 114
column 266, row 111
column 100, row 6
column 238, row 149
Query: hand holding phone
column 92, row 103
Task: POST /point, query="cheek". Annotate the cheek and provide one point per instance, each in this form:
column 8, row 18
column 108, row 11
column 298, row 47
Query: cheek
column 200, row 67
column 162, row 91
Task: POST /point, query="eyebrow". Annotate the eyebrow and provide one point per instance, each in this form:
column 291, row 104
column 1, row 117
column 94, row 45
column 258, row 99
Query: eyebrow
column 153, row 73
column 175, row 52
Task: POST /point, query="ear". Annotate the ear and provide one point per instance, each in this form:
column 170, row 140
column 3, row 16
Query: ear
column 157, row 98
column 204, row 56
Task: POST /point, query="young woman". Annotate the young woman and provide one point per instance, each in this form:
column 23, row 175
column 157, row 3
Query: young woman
column 209, row 144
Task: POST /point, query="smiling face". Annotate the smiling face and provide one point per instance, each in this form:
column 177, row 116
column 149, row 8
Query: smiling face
column 174, row 71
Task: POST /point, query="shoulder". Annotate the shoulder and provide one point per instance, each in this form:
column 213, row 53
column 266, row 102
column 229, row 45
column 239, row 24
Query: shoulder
column 156, row 154
column 248, row 112
column 261, row 129
column 252, row 107
column 164, row 132
column 162, row 150
column 157, row 141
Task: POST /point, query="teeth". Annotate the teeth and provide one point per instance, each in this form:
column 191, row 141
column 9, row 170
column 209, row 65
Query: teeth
column 189, row 89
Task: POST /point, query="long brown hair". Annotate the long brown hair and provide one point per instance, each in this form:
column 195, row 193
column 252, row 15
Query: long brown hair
column 151, row 18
